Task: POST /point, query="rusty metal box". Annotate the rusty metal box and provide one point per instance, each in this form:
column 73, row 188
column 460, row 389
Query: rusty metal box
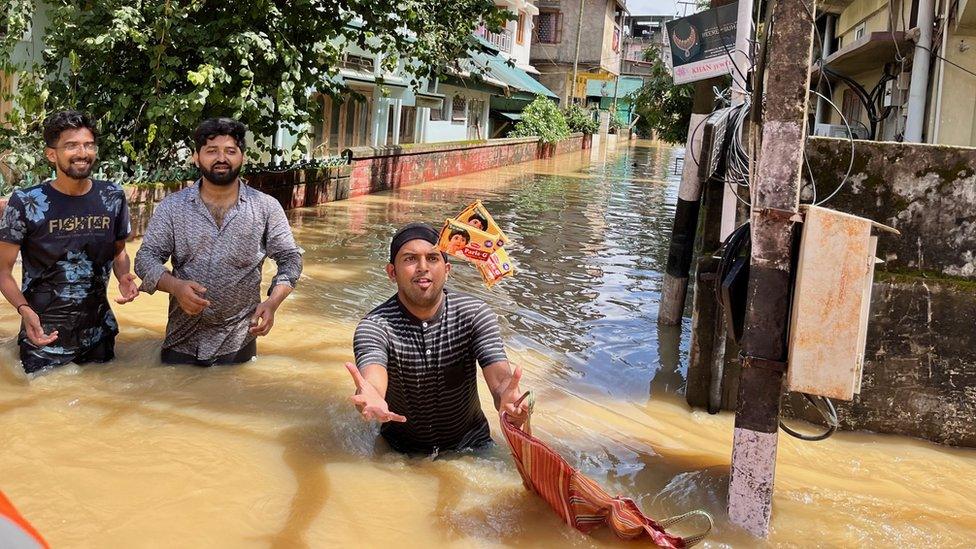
column 831, row 303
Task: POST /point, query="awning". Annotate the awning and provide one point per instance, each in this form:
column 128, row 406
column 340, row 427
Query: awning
column 511, row 115
column 496, row 68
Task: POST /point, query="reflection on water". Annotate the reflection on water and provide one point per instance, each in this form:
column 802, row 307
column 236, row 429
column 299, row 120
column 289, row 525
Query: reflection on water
column 136, row 454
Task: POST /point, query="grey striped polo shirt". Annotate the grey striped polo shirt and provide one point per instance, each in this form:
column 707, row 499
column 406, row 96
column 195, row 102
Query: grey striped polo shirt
column 431, row 369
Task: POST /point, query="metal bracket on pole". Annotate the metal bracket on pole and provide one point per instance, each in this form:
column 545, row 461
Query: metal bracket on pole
column 764, row 363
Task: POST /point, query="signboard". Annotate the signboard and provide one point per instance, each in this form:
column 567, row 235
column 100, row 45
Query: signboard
column 702, row 44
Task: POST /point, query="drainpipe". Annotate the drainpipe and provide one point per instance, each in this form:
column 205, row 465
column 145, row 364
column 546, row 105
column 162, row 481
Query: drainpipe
column 828, row 40
column 942, row 52
column 918, row 89
column 579, row 34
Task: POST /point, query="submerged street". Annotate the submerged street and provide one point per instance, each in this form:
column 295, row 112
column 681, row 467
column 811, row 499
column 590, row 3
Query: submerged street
column 136, row 454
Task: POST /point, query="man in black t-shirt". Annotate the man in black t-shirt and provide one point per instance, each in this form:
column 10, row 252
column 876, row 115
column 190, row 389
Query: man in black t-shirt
column 70, row 233
column 416, row 355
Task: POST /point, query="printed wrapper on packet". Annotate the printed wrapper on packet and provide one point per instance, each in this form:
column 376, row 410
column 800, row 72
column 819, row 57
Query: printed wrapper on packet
column 476, row 214
column 464, row 241
column 496, row 268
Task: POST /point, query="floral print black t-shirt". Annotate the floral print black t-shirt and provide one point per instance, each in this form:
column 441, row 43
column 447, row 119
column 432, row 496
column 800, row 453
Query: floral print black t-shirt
column 67, row 244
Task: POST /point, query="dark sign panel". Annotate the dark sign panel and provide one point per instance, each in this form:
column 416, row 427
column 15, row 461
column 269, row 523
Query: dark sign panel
column 702, row 44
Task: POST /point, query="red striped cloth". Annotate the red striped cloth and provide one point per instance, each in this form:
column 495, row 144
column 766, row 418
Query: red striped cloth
column 579, row 501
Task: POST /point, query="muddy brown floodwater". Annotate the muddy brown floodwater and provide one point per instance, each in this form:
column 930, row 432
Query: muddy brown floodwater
column 271, row 454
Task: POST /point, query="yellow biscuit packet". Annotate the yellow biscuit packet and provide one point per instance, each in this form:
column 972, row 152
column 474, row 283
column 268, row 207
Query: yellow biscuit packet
column 466, row 242
column 478, row 217
column 496, row 268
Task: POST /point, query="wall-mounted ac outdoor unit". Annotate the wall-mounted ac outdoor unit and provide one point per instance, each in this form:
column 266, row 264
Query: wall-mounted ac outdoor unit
column 831, row 130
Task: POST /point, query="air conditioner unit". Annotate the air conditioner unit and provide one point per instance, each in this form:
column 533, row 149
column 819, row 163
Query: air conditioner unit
column 831, row 130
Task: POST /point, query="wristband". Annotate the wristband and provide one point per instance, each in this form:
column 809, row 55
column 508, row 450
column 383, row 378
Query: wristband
column 22, row 305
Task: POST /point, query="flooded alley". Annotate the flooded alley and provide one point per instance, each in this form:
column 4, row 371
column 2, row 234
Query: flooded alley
column 272, row 454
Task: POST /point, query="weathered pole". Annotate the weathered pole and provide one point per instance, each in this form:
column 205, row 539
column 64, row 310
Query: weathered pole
column 775, row 193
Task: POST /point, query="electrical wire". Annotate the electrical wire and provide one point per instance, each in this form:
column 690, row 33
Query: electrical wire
column 937, row 56
column 825, row 407
column 850, row 165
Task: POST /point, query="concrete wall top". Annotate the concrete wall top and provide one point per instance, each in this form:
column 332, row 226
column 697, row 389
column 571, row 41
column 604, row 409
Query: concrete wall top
column 928, row 192
column 359, row 153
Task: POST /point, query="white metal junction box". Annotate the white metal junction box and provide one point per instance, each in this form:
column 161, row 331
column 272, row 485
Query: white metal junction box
column 831, row 304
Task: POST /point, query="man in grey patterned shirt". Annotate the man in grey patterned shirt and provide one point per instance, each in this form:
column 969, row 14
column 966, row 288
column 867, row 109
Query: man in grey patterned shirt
column 217, row 233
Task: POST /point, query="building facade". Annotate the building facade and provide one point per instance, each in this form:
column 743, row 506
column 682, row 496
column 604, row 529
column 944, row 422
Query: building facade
column 598, row 28
column 896, row 70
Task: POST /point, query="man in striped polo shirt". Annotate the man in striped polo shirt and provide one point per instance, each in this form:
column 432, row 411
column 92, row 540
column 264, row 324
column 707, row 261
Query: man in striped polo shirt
column 416, row 355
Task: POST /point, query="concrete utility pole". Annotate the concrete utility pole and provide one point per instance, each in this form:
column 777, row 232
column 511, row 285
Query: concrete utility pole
column 674, row 287
column 775, row 201
column 579, row 35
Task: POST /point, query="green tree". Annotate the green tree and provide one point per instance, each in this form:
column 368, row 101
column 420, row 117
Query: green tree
column 663, row 106
column 150, row 71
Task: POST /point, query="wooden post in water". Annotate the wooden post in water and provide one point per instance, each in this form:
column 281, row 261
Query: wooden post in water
column 775, row 194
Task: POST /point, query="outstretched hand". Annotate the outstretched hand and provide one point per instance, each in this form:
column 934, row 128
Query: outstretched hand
column 368, row 401
column 517, row 411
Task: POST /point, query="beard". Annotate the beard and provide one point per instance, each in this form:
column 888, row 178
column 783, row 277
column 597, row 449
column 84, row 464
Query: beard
column 220, row 178
column 76, row 172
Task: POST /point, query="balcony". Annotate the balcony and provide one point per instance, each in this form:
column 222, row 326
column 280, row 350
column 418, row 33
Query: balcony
column 501, row 40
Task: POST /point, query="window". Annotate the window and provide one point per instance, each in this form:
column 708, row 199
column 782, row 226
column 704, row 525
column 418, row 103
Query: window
column 859, row 31
column 438, row 113
column 520, row 29
column 458, row 107
column 408, row 123
column 548, row 27
column 357, row 63
column 343, row 124
column 476, row 108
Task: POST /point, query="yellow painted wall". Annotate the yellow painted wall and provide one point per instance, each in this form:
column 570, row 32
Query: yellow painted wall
column 958, row 109
column 858, row 11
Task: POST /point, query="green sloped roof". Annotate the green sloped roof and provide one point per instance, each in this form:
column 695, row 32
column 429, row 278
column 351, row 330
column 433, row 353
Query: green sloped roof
column 604, row 88
column 498, row 68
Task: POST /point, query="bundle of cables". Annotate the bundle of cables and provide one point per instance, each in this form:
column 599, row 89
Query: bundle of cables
column 733, row 277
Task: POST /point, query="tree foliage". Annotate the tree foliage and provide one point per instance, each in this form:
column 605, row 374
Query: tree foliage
column 150, row 71
column 663, row 106
column 543, row 119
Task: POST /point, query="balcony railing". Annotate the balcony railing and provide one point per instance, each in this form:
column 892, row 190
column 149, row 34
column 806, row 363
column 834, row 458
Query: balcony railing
column 502, row 40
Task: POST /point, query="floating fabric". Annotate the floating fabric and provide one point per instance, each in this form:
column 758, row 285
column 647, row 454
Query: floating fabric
column 579, row 501
column 15, row 531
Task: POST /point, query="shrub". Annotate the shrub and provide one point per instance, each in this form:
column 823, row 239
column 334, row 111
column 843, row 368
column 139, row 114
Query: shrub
column 542, row 119
column 581, row 120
